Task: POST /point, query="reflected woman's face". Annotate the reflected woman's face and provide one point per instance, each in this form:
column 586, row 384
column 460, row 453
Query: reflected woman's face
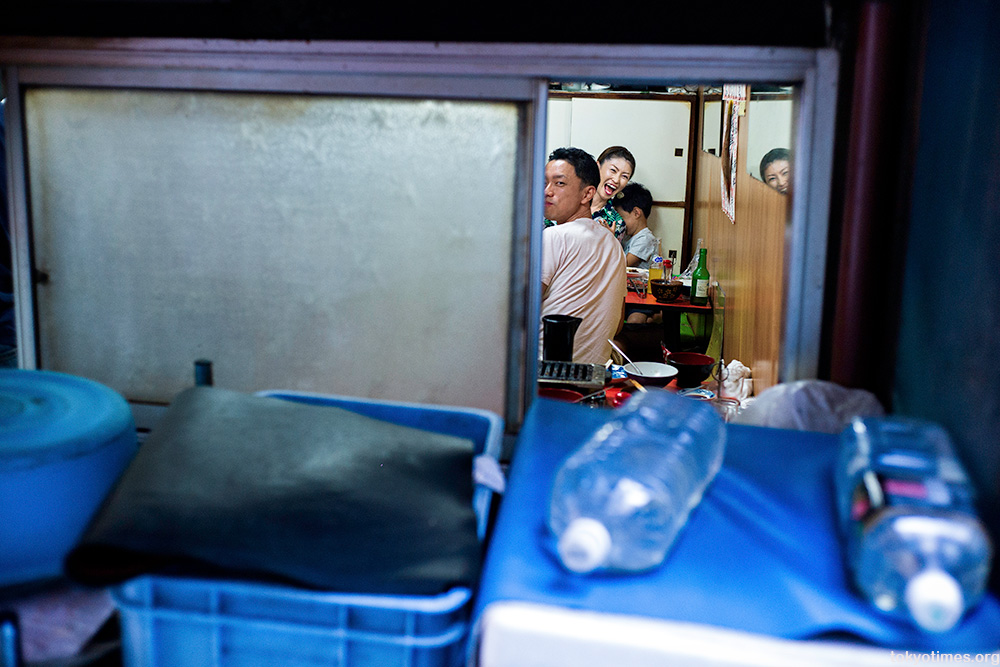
column 778, row 175
column 615, row 175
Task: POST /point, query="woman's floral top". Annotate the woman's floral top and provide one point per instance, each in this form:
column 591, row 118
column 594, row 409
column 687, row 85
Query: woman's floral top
column 610, row 218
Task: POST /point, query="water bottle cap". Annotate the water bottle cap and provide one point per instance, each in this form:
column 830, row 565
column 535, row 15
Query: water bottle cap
column 585, row 545
column 935, row 600
column 657, row 258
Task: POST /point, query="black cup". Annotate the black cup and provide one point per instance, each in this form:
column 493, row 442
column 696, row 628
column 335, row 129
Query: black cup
column 558, row 332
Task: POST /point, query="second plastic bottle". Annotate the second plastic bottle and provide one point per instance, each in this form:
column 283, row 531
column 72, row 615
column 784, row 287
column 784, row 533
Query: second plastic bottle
column 619, row 502
column 914, row 545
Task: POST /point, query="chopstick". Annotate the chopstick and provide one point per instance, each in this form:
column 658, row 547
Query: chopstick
column 637, row 385
column 584, row 398
column 635, row 287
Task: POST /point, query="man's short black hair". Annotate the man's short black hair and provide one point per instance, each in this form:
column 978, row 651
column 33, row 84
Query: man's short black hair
column 773, row 155
column 583, row 163
column 632, row 196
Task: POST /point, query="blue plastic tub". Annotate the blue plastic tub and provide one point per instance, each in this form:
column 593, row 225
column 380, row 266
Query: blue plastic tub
column 64, row 440
column 177, row 622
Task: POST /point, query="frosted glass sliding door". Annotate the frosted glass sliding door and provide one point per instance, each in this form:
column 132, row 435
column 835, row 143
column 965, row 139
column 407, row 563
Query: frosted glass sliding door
column 346, row 245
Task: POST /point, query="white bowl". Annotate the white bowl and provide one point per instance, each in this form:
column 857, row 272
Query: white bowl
column 650, row 372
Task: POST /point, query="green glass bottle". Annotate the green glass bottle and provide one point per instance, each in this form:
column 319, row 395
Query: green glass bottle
column 699, row 281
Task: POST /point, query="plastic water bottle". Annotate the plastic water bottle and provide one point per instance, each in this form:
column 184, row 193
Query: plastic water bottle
column 914, row 545
column 619, row 502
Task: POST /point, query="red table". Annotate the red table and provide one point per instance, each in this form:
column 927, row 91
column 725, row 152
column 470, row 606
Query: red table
column 671, row 313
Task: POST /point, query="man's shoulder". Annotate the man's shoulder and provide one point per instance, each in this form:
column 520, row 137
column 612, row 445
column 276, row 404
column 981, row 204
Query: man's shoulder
column 589, row 224
column 585, row 231
column 571, row 227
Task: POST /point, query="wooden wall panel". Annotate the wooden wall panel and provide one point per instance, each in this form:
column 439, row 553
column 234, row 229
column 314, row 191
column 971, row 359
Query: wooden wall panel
column 747, row 258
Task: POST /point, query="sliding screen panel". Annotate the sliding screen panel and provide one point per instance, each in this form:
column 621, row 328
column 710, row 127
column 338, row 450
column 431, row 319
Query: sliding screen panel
column 346, row 245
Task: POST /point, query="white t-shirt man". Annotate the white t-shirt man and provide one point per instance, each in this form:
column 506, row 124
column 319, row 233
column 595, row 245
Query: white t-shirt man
column 583, row 274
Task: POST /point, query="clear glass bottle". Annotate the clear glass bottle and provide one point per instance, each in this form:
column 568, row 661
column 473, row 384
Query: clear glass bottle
column 619, row 502
column 699, row 280
column 685, row 275
column 914, row 546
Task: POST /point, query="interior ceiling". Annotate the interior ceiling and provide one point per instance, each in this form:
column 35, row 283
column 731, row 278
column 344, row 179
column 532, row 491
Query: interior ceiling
column 775, row 23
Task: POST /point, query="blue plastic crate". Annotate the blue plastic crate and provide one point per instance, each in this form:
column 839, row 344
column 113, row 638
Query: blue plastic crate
column 174, row 622
column 186, row 622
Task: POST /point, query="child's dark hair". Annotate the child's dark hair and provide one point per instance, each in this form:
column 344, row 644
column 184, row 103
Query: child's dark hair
column 632, row 196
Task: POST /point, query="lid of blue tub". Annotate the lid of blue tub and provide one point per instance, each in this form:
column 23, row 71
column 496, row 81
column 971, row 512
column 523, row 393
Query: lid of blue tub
column 47, row 416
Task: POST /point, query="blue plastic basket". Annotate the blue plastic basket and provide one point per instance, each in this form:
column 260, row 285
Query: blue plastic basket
column 182, row 622
column 173, row 622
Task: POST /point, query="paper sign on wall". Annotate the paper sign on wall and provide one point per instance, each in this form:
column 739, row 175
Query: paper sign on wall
column 734, row 105
column 737, row 94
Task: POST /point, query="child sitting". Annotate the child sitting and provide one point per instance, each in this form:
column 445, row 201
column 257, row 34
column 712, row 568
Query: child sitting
column 634, row 203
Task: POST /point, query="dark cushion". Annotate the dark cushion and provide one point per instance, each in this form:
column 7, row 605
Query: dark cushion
column 232, row 485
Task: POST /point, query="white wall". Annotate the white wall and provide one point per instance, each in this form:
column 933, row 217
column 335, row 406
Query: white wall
column 711, row 129
column 652, row 129
column 770, row 127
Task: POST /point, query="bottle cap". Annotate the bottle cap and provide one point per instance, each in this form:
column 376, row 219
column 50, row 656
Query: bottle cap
column 935, row 600
column 585, row 545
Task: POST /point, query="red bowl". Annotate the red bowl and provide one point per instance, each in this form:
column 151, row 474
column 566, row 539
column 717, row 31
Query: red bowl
column 560, row 394
column 692, row 368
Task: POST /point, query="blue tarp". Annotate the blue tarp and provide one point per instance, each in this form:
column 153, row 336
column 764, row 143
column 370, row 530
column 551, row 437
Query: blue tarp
column 760, row 553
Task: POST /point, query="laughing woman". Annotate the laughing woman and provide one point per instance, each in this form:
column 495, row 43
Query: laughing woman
column 617, row 166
